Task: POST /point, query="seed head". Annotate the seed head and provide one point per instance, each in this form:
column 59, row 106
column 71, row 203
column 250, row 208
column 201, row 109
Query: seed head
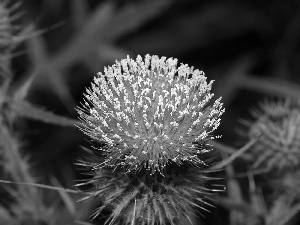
column 277, row 130
column 150, row 113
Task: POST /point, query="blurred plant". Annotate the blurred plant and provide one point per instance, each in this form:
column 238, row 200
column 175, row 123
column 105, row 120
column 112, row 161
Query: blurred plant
column 27, row 202
column 276, row 127
column 251, row 46
column 22, row 204
column 6, row 29
column 274, row 134
column 154, row 120
column 93, row 44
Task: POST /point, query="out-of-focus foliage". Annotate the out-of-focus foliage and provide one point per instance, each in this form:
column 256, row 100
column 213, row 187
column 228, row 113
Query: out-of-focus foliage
column 51, row 49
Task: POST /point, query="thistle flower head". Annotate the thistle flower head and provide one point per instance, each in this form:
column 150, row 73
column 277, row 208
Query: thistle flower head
column 150, row 113
column 277, row 130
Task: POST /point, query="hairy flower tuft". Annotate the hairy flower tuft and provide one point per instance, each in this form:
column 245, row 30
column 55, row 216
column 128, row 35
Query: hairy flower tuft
column 277, row 131
column 150, row 113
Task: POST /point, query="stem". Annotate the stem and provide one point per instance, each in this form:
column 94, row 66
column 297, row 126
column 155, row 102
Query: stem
column 238, row 153
column 45, row 187
column 229, row 150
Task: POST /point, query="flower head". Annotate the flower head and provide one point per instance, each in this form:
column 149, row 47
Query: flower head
column 149, row 113
column 277, row 130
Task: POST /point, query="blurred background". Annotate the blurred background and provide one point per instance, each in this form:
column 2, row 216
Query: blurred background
column 250, row 48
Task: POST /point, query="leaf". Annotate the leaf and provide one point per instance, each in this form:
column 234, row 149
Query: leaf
column 37, row 53
column 26, row 109
column 15, row 164
column 42, row 72
column 60, row 189
column 21, row 90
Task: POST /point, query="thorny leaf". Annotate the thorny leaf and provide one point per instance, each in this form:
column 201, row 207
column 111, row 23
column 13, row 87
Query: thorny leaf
column 45, row 73
column 15, row 164
column 30, row 111
column 105, row 25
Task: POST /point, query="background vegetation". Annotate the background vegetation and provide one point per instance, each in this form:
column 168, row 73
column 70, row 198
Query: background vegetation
column 50, row 51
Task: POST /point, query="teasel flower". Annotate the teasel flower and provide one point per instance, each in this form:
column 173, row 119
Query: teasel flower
column 276, row 129
column 144, row 199
column 150, row 113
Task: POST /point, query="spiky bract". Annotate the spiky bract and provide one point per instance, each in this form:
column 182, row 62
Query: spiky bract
column 277, row 130
column 150, row 113
column 151, row 199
